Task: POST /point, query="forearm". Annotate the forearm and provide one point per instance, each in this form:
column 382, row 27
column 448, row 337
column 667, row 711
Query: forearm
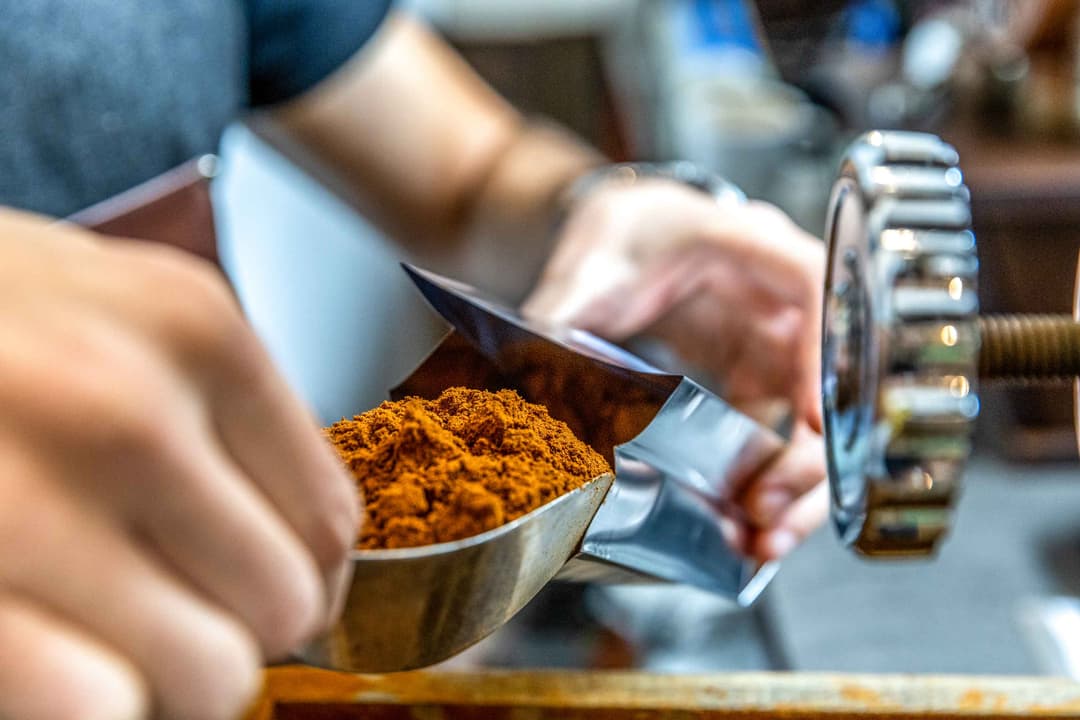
column 510, row 227
column 436, row 158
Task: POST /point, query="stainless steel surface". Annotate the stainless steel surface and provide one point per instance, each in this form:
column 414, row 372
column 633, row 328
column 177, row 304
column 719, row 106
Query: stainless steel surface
column 667, row 513
column 1076, row 381
column 900, row 342
column 680, row 453
column 413, row 607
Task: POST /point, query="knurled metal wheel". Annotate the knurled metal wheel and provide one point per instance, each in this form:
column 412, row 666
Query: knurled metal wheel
column 900, row 342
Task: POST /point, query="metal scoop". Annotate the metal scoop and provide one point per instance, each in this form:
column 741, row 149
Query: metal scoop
column 680, row 454
column 414, row 607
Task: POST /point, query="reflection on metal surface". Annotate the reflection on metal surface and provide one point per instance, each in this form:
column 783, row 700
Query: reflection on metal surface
column 663, row 516
column 679, row 452
column 1076, row 381
column 900, row 342
column 605, row 395
column 413, row 607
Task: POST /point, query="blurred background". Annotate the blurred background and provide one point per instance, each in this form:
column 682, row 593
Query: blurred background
column 768, row 94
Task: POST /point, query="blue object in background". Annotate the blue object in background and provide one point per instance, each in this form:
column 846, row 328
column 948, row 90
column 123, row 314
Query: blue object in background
column 872, row 24
column 720, row 23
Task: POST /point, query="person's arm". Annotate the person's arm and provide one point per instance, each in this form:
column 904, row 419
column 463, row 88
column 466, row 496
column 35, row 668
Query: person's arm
column 436, row 158
column 442, row 163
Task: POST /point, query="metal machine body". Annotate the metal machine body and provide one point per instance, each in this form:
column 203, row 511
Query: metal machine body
column 900, row 342
column 903, row 344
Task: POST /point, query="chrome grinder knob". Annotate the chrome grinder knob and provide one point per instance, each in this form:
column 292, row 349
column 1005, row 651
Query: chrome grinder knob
column 900, row 342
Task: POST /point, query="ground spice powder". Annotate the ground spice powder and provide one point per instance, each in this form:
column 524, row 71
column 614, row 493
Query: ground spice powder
column 471, row 460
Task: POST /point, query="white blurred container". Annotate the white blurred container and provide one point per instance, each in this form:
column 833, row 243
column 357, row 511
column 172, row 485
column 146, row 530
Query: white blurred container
column 322, row 287
column 745, row 128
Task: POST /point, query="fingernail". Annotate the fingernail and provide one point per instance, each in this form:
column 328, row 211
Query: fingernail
column 781, row 542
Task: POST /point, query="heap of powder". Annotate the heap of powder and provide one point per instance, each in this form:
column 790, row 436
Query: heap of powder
column 471, row 460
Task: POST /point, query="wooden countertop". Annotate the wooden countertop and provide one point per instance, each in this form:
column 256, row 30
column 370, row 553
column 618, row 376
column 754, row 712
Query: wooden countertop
column 296, row 693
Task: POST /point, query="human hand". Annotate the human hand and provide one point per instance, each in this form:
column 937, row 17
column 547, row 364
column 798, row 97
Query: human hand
column 171, row 515
column 733, row 290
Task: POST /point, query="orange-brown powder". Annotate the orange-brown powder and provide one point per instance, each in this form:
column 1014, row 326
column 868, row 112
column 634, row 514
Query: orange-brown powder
column 471, row 460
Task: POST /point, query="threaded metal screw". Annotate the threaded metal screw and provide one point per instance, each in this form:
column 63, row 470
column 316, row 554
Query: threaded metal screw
column 1029, row 347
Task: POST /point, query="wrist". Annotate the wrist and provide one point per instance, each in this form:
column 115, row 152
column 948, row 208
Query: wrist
column 685, row 173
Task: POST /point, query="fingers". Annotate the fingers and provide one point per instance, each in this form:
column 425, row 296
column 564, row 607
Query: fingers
column 656, row 291
column 788, row 265
column 154, row 460
column 804, row 516
column 737, row 292
column 177, row 507
column 562, row 298
column 323, row 509
column 810, row 406
column 796, row 471
column 248, row 402
column 53, row 671
column 593, row 255
column 787, row 500
column 196, row 661
column 243, row 556
column 761, row 240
